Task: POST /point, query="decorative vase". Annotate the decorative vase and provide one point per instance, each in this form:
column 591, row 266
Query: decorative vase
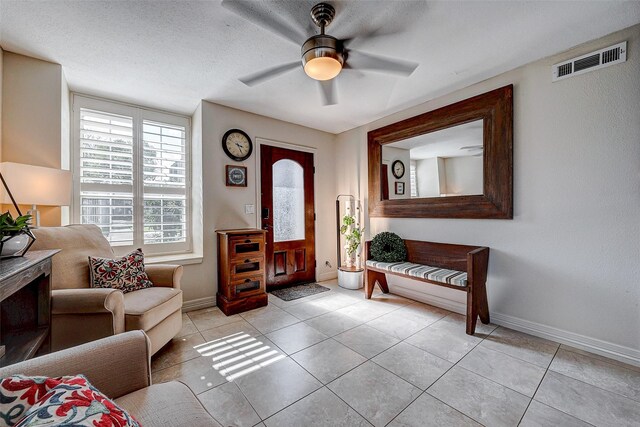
column 15, row 246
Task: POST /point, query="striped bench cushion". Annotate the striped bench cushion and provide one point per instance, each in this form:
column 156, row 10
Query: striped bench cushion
column 451, row 277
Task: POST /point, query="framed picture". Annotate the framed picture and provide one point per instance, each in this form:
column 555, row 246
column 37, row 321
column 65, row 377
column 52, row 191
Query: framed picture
column 400, row 188
column 236, row 176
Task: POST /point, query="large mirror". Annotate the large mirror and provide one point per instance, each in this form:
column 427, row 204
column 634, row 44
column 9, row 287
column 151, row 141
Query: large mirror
column 454, row 162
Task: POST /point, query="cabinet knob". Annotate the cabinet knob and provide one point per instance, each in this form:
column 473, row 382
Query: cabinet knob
column 247, row 280
column 247, row 241
column 247, row 261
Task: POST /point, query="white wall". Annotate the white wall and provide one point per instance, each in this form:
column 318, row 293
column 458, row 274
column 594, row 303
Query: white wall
column 223, row 207
column 463, row 175
column 568, row 265
column 427, row 177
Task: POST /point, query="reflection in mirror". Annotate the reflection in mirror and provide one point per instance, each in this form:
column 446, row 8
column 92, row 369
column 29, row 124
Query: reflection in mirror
column 448, row 162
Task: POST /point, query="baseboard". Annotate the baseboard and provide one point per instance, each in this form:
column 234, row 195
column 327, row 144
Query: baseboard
column 327, row 275
column 592, row 345
column 198, row 303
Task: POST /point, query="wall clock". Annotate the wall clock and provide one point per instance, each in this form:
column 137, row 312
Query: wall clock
column 397, row 168
column 236, row 176
column 237, row 145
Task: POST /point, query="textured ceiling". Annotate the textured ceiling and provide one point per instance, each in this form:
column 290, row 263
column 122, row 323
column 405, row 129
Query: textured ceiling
column 172, row 54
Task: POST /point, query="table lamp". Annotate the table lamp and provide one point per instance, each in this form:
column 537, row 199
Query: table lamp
column 36, row 185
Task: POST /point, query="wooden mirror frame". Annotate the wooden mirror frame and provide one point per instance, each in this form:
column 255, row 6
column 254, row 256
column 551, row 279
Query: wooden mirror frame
column 495, row 108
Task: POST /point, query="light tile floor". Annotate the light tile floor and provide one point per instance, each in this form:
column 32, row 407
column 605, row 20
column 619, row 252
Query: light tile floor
column 336, row 359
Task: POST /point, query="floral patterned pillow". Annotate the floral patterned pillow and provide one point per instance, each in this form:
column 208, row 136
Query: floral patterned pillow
column 75, row 402
column 18, row 393
column 126, row 274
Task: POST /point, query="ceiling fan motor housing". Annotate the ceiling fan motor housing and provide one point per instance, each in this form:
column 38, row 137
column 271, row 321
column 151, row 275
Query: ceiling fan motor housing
column 320, row 46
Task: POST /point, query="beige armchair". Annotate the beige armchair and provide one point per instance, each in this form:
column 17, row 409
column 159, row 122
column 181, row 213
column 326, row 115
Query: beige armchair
column 81, row 314
column 119, row 367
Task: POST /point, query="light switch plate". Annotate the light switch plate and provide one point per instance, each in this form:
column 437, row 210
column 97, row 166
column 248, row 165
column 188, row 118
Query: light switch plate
column 249, row 209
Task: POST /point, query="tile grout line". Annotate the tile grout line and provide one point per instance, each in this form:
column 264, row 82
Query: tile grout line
column 538, row 387
column 326, row 385
column 516, row 357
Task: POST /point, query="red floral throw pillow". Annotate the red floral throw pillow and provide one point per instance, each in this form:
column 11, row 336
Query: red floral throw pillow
column 19, row 393
column 126, row 274
column 75, row 402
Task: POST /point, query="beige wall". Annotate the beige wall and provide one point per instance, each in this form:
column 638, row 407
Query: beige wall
column 1, row 78
column 566, row 266
column 223, row 207
column 34, row 119
column 390, row 155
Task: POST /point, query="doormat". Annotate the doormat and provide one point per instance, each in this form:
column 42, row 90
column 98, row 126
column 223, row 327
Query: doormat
column 298, row 291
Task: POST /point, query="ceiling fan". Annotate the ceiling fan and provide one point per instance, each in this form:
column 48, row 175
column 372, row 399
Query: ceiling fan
column 323, row 56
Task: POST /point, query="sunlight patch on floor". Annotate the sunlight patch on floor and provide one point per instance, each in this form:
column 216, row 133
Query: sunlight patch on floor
column 238, row 354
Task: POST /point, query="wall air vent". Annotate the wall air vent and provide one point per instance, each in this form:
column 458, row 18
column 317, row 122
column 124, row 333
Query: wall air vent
column 589, row 62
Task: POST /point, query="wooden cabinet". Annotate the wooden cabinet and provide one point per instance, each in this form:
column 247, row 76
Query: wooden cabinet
column 241, row 270
column 25, row 306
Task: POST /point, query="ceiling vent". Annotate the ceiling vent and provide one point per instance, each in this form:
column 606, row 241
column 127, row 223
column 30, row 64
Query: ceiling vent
column 589, row 62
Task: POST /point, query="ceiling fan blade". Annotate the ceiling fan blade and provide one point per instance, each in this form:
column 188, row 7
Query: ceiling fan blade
column 264, row 18
column 366, row 61
column 401, row 17
column 328, row 92
column 269, row 73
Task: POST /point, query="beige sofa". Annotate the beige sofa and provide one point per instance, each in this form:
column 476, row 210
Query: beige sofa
column 119, row 367
column 81, row 314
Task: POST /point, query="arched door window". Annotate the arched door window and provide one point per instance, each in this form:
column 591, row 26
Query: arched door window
column 288, row 201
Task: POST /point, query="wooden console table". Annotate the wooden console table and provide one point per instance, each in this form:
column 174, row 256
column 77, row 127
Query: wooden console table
column 25, row 306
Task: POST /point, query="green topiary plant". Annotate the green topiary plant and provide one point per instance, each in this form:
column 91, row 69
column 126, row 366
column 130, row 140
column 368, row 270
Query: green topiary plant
column 388, row 247
column 10, row 226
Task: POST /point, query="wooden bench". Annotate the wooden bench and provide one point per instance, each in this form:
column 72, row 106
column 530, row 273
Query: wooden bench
column 458, row 267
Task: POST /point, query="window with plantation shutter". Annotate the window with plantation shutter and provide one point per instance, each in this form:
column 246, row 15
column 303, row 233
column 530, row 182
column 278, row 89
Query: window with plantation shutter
column 413, row 177
column 132, row 175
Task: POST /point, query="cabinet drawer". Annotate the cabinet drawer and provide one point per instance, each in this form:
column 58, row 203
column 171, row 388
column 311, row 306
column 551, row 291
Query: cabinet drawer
column 246, row 246
column 242, row 267
column 246, row 287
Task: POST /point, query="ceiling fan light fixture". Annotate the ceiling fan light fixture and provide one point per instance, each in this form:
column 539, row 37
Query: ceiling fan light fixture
column 323, row 68
column 321, row 58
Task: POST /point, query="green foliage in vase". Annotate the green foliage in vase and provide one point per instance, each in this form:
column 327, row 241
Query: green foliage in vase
column 10, row 226
column 353, row 236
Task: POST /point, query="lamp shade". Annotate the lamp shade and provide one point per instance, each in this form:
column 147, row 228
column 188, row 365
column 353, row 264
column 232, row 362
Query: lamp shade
column 36, row 185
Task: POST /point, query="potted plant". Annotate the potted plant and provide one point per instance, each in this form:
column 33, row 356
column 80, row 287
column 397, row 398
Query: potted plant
column 353, row 237
column 15, row 235
column 351, row 275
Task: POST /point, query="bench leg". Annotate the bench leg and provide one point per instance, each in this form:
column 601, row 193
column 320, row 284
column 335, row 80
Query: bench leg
column 483, row 305
column 477, row 306
column 370, row 283
column 472, row 313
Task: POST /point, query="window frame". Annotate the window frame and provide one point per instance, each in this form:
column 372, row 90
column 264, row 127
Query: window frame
column 138, row 114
